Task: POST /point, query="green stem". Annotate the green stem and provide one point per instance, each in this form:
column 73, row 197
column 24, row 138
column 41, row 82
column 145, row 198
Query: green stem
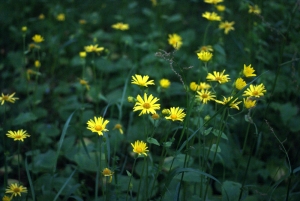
column 130, row 179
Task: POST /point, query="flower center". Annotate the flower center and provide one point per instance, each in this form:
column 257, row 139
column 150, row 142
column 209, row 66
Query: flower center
column 17, row 190
column 139, row 150
column 106, row 172
column 204, row 96
column 255, row 93
column 146, row 105
column 173, row 116
column 5, row 98
column 218, row 79
column 98, row 128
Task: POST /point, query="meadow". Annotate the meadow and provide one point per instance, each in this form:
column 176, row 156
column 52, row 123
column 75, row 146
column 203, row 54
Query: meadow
column 153, row 100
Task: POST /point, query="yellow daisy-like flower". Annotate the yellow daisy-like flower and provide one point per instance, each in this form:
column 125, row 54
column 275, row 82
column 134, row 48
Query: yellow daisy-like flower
column 140, row 147
column 249, row 103
column 8, row 98
column 175, row 114
column 213, row 1
column 164, row 83
column 37, row 64
column 206, row 48
column 233, row 103
column 219, row 77
column 141, row 80
column 82, row 54
column 240, row 83
column 37, row 38
column 93, row 48
column 220, row 8
column 248, row 71
column 98, row 125
column 6, row 198
column 205, row 95
column 204, row 56
column 211, row 16
column 196, row 87
column 84, row 83
column 254, row 9
column 146, row 105
column 119, row 127
column 15, row 189
column 108, row 173
column 120, row 26
column 18, row 135
column 255, row 90
column 227, row 26
column 61, row 17
column 175, row 40
column 155, row 116
column 41, row 16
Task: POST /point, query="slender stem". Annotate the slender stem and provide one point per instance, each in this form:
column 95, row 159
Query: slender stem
column 130, row 179
column 19, row 171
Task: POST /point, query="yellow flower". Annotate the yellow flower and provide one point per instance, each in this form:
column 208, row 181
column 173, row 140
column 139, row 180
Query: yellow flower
column 213, row 1
column 85, row 83
column 248, row 71
column 141, row 80
column 8, row 98
column 82, row 21
column 240, row 83
column 37, row 38
column 93, row 48
column 18, row 135
column 219, row 77
column 155, row 116
column 37, row 64
column 108, row 173
column 31, row 72
column 233, row 103
column 220, row 8
column 119, row 127
column 6, row 198
column 175, row 40
column 165, row 83
column 146, row 105
column 249, row 103
column 211, row 16
column 205, row 95
column 175, row 114
column 196, row 87
column 61, row 17
column 154, row 2
column 227, row 26
column 255, row 91
column 140, row 147
column 204, row 56
column 24, row 29
column 97, row 125
column 206, row 48
column 165, row 111
column 254, row 9
column 41, row 16
column 120, row 26
column 16, row 189
column 82, row 54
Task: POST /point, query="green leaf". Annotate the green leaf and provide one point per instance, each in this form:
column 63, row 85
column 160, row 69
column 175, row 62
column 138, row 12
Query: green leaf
column 231, row 191
column 153, row 141
column 167, row 144
column 217, row 132
column 214, row 148
column 207, row 131
column 24, row 118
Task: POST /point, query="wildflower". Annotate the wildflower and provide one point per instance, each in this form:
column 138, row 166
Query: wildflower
column 254, row 9
column 213, row 1
column 204, row 56
column 119, row 127
column 219, row 77
column 249, row 103
column 248, row 71
column 240, row 83
column 120, row 26
column 154, row 2
column 41, row 16
column 155, row 116
column 37, row 64
column 82, row 54
column 211, row 16
column 220, row 8
column 141, row 80
column 61, row 17
column 93, row 48
column 206, row 48
column 165, row 111
column 255, row 91
column 31, row 72
column 82, row 21
column 165, row 83
column 18, row 135
column 24, row 29
column 108, row 173
column 6, row 198
column 97, row 125
column 140, row 147
column 205, row 95
column 146, row 105
column 175, row 114
column 85, row 83
column 8, row 98
column 16, row 189
column 196, row 87
column 175, row 40
column 227, row 26
column 131, row 99
column 233, row 104
column 37, row 38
